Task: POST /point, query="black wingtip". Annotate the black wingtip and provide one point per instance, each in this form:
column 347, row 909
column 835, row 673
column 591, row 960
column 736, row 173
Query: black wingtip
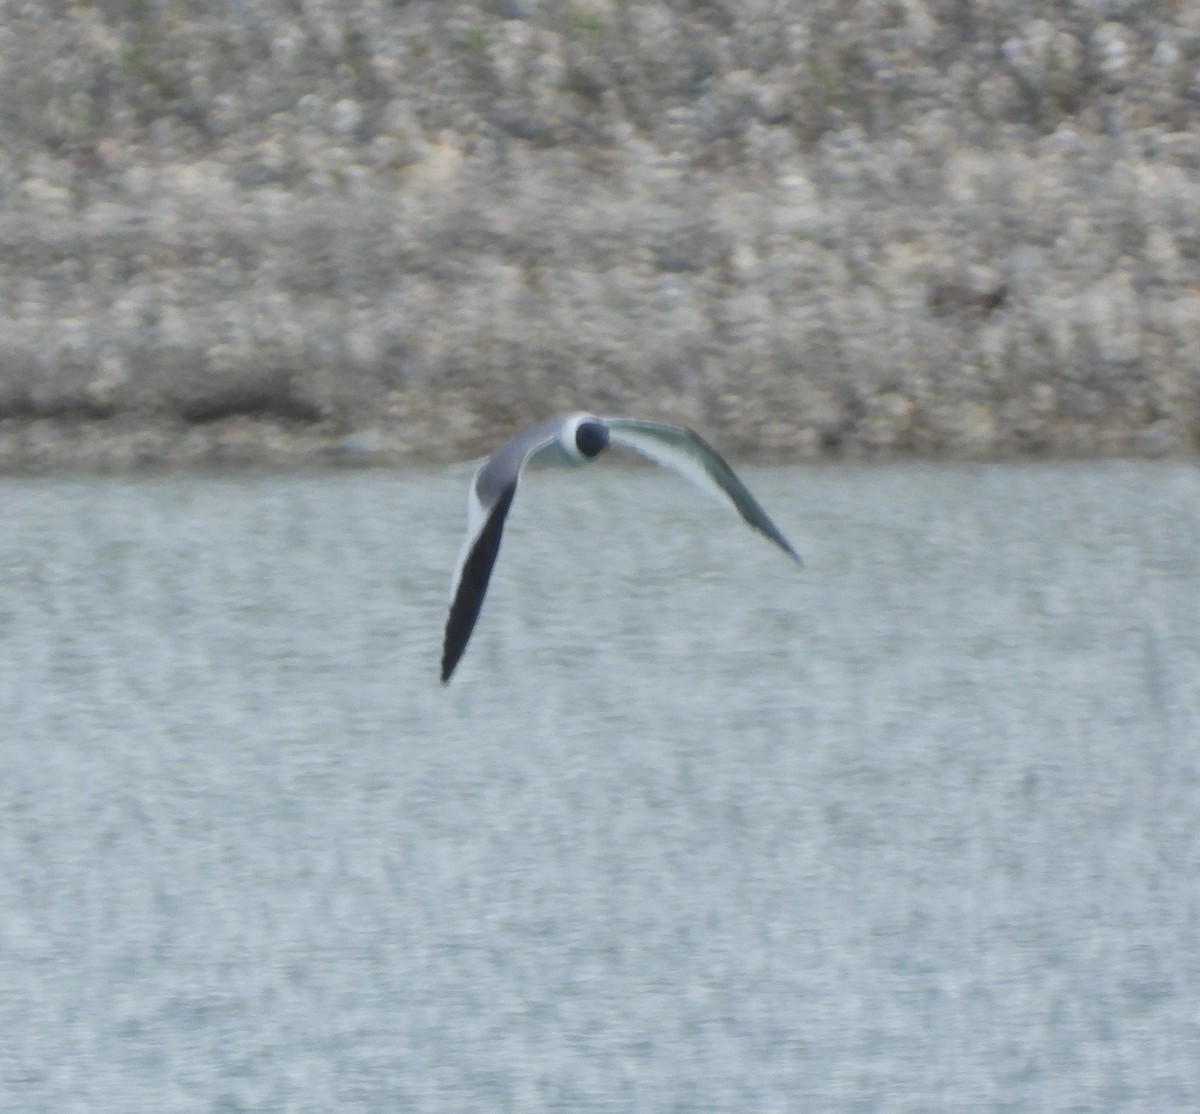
column 451, row 656
column 774, row 535
column 473, row 582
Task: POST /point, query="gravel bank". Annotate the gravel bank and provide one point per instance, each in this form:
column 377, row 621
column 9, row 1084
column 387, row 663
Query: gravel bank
column 277, row 231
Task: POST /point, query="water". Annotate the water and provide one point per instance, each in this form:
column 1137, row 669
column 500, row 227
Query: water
column 913, row 830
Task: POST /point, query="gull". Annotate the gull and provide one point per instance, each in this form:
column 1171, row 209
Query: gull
column 576, row 439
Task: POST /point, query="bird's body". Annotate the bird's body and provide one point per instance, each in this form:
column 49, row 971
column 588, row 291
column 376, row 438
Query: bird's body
column 576, row 439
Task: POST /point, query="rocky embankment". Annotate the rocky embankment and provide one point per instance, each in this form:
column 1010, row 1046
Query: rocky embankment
column 277, row 231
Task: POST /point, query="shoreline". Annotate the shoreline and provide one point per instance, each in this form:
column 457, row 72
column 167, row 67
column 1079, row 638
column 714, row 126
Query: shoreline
column 126, row 448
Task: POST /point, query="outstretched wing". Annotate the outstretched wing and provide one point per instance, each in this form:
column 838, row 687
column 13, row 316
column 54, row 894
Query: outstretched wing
column 492, row 492
column 695, row 459
column 470, row 585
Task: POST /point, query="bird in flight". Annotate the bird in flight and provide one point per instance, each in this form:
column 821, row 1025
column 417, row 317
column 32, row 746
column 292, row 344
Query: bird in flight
column 576, row 439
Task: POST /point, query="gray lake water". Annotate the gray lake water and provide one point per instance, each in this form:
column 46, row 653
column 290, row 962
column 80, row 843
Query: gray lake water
column 915, row 829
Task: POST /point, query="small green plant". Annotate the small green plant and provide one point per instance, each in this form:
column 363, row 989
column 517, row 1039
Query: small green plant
column 142, row 47
column 587, row 23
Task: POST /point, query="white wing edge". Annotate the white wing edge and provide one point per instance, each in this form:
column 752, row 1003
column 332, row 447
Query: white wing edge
column 687, row 453
column 686, row 459
column 539, row 438
column 476, row 517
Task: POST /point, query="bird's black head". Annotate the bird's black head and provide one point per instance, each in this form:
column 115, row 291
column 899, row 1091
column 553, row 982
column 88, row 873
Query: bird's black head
column 591, row 437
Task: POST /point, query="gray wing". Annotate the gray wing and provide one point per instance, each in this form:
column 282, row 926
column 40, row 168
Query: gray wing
column 687, row 453
column 491, row 495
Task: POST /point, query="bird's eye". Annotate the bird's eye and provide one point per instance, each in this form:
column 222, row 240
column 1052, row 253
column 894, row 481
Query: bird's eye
column 591, row 438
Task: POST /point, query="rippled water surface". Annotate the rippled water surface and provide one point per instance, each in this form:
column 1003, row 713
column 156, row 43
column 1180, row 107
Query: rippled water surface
column 915, row 829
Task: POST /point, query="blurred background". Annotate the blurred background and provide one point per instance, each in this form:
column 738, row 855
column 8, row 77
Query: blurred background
column 830, row 228
column 913, row 829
